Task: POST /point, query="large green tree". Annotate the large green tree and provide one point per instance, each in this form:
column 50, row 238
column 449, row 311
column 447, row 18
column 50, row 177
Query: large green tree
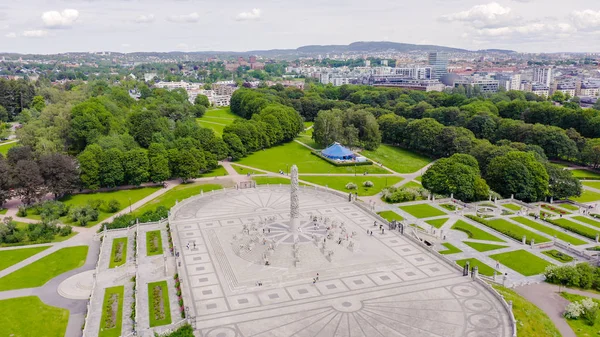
column 158, row 159
column 458, row 175
column 136, row 166
column 60, row 173
column 562, row 183
column 519, row 174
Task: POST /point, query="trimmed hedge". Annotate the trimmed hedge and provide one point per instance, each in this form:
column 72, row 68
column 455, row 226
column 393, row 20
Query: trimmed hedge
column 574, row 227
column 506, row 231
column 336, row 163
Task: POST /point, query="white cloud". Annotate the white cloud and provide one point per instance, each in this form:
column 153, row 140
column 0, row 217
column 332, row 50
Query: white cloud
column 185, row 18
column 11, row 35
column 182, row 46
column 254, row 14
column 586, row 20
column 35, row 33
column 533, row 30
column 145, row 18
column 64, row 19
column 488, row 15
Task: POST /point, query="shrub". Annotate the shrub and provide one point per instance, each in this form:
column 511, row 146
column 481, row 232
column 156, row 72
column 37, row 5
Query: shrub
column 83, row 214
column 95, row 203
column 573, row 310
column 590, row 311
column 65, row 230
column 114, row 205
column 368, row 183
column 351, row 186
column 22, row 212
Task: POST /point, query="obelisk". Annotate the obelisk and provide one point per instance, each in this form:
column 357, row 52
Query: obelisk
column 294, row 201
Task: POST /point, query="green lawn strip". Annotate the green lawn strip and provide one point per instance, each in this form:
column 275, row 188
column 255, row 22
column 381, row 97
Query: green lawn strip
column 30, row 317
column 592, row 184
column 451, row 249
column 13, row 256
column 418, row 178
column 43, row 270
column 483, row 247
column 271, row 180
column 218, row 172
column 339, row 183
column 509, row 229
column 473, row 232
column 531, row 320
column 397, row 159
column 118, row 253
column 550, row 231
column 580, row 326
column 216, row 126
column 306, row 138
column 243, row 170
column 522, row 262
column 586, row 174
column 512, row 207
column 422, row 211
column 112, row 312
column 390, row 216
column 587, row 196
column 155, row 298
column 4, row 148
column 412, row 184
column 558, row 256
column 177, row 193
column 437, row 223
column 282, row 157
column 483, row 268
column 154, row 243
column 568, row 206
column 587, row 221
column 3, row 211
column 588, row 232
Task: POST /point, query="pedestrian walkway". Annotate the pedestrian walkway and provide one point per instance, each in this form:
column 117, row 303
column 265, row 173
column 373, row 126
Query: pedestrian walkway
column 546, row 297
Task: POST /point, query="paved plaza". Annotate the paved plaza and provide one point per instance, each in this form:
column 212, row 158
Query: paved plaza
column 382, row 284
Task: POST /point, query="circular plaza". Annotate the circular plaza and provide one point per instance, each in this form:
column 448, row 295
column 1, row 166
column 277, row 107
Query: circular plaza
column 251, row 267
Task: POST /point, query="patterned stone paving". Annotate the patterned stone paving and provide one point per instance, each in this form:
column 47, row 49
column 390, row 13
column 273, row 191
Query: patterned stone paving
column 387, row 286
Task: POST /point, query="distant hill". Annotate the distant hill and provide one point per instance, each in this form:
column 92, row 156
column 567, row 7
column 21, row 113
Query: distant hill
column 376, row 47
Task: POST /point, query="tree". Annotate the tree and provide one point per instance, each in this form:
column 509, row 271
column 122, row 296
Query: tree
column 520, row 174
column 89, row 166
column 28, row 181
column 136, row 166
column 38, row 103
column 18, row 153
column 562, row 184
column 5, row 193
column 327, row 127
column 458, row 175
column 202, row 100
column 158, row 163
column 237, row 150
column 112, row 172
column 3, row 114
column 186, row 163
column 60, row 173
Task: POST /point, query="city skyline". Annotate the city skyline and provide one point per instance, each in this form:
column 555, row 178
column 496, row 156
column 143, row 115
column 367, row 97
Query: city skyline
column 56, row 26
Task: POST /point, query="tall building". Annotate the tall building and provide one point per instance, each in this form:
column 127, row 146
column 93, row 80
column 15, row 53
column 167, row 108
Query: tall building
column 542, row 75
column 439, row 64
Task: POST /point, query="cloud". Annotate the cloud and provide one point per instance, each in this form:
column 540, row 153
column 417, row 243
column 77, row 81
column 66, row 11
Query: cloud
column 254, row 14
column 11, row 35
column 532, row 31
column 145, row 18
column 64, row 19
column 35, row 33
column 586, row 20
column 185, row 18
column 182, row 46
column 488, row 15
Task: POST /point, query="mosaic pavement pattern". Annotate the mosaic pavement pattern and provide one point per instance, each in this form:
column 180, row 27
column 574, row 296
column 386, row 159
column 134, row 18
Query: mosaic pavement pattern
column 388, row 286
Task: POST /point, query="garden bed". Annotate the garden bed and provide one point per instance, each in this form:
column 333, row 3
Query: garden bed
column 160, row 309
column 522, row 262
column 112, row 312
column 474, row 232
column 574, row 227
column 558, row 256
column 510, row 230
column 451, row 249
column 154, row 243
column 118, row 254
column 550, row 231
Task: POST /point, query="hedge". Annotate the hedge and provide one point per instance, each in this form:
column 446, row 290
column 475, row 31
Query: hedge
column 574, row 227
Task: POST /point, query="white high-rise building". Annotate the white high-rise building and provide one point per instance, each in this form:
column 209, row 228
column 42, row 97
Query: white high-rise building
column 542, row 75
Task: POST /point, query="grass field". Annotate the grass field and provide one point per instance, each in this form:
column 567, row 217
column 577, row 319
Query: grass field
column 43, row 270
column 154, row 243
column 178, row 193
column 10, row 257
column 568, row 206
column 474, row 232
column 483, row 247
column 30, row 317
column 550, row 231
column 586, row 174
column 592, row 184
column 437, row 223
column 532, row 321
column 122, row 243
column 587, row 221
column 217, row 119
column 5, row 147
column 451, row 249
column 514, row 231
column 512, row 207
column 271, row 180
column 522, row 262
column 339, row 183
column 580, row 229
column 558, row 256
column 397, row 159
column 390, row 216
column 283, row 156
column 412, row 184
column 483, row 268
column 3, row 211
column 154, row 303
column 114, row 328
column 587, row 196
column 422, row 211
column 218, row 172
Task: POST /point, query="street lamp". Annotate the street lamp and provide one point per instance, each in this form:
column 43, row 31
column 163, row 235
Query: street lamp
column 129, row 205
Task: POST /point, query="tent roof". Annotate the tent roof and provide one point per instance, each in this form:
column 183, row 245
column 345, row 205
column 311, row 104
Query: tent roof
column 337, row 150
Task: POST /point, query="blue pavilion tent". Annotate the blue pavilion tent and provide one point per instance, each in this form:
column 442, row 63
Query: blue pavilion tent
column 338, row 152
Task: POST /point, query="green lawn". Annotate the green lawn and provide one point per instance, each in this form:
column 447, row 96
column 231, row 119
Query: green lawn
column 483, row 268
column 217, row 119
column 397, row 159
column 483, row 247
column 45, row 269
column 585, row 174
column 178, row 193
column 4, row 148
column 419, row 178
column 271, row 180
column 111, row 326
column 3, row 211
column 154, row 243
column 558, row 256
column 580, row 326
column 451, row 249
column 522, row 262
column 218, row 172
column 339, row 183
column 576, row 228
column 587, row 221
column 422, row 211
column 512, row 207
column 30, row 317
column 514, row 231
column 437, row 223
column 306, row 138
column 592, row 184
column 121, row 245
column 10, row 257
column 412, row 184
column 154, row 304
column 550, row 231
column 216, row 125
column 568, row 206
column 284, row 156
column 474, row 232
column 531, row 320
column 587, row 196
column 390, row 216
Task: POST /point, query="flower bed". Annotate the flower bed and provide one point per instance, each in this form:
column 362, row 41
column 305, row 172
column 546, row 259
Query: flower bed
column 160, row 310
column 554, row 209
column 179, row 295
column 154, row 243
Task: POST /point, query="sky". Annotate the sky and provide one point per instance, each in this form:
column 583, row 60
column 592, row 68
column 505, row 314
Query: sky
column 55, row 26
